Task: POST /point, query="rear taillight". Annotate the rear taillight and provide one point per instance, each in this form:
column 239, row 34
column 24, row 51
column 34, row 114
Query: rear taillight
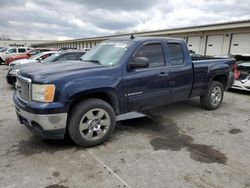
column 236, row 72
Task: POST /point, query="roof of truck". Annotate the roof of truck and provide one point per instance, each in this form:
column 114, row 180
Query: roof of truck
column 134, row 38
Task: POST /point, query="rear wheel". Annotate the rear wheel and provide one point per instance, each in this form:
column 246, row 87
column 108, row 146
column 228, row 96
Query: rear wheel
column 91, row 122
column 213, row 98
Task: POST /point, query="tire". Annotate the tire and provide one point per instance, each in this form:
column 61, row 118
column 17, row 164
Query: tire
column 212, row 100
column 91, row 122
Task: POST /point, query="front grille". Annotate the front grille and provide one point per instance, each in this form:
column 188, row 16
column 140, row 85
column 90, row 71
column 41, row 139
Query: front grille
column 23, row 86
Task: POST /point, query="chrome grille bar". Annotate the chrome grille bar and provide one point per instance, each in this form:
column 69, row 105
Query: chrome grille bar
column 23, row 86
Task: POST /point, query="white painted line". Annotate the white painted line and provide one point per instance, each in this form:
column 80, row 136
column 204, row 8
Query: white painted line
column 109, row 169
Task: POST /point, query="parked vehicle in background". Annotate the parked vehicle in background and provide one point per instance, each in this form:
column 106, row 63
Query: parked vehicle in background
column 115, row 77
column 14, row 66
column 11, row 51
column 34, row 59
column 27, row 54
column 44, row 59
column 64, row 56
column 242, row 73
column 2, row 49
column 67, row 48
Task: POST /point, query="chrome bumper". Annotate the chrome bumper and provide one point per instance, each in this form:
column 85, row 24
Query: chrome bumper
column 42, row 122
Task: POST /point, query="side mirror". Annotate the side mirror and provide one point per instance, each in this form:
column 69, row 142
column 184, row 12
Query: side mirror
column 139, row 62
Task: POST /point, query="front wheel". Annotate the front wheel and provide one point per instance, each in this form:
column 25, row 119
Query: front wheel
column 91, row 122
column 213, row 99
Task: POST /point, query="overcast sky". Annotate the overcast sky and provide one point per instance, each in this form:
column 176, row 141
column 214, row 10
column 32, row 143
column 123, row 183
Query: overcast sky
column 61, row 19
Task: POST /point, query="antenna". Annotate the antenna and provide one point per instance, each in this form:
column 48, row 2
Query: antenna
column 132, row 37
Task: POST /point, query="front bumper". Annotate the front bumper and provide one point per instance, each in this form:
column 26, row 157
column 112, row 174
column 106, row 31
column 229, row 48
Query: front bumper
column 241, row 85
column 50, row 126
column 47, row 125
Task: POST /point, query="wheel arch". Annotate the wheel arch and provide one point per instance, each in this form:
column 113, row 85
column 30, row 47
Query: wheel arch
column 222, row 78
column 107, row 96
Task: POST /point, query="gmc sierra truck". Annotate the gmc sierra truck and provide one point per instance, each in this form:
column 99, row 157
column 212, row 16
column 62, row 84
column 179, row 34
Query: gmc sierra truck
column 118, row 76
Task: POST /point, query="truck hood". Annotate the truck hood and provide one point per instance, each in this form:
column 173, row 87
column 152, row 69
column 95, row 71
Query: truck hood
column 39, row 72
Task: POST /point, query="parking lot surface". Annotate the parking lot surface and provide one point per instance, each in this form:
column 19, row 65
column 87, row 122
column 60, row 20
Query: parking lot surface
column 180, row 145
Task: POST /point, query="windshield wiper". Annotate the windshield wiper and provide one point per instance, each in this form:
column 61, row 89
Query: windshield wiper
column 92, row 61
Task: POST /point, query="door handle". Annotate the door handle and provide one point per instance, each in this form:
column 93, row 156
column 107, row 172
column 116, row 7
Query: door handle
column 162, row 74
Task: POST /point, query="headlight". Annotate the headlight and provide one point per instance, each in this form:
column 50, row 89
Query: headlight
column 14, row 64
column 14, row 72
column 43, row 93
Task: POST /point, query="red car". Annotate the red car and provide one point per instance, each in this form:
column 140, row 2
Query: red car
column 26, row 55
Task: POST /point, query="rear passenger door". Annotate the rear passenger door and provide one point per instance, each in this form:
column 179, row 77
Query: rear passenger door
column 180, row 71
column 145, row 87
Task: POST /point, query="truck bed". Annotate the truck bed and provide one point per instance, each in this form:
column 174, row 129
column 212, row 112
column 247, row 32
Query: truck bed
column 205, row 69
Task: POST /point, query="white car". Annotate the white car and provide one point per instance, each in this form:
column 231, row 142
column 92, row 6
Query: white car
column 32, row 59
column 11, row 51
column 242, row 80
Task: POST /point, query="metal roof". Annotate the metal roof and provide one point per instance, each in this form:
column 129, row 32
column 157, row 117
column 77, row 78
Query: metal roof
column 198, row 28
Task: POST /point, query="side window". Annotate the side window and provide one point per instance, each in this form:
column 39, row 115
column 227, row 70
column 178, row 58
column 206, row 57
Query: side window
column 176, row 54
column 62, row 58
column 33, row 52
column 45, row 56
column 12, row 50
column 43, row 50
column 154, row 53
column 79, row 55
column 21, row 50
column 71, row 56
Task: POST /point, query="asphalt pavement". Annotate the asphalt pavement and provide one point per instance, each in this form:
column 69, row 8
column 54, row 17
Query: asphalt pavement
column 178, row 145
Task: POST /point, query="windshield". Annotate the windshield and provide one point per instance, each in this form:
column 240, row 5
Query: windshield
column 35, row 56
column 51, row 58
column 107, row 53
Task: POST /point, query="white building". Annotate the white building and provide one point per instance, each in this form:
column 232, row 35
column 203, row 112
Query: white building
column 213, row 39
column 19, row 43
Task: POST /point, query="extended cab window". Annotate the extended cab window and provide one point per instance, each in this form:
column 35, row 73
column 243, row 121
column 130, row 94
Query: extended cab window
column 176, row 54
column 154, row 53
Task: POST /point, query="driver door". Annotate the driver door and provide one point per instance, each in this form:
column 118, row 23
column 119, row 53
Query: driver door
column 147, row 87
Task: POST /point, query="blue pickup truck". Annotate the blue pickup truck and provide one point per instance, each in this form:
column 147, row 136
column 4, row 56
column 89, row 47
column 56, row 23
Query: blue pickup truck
column 118, row 76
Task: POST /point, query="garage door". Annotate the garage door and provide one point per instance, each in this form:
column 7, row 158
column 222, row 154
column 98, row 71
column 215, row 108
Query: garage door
column 214, row 45
column 240, row 44
column 194, row 43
